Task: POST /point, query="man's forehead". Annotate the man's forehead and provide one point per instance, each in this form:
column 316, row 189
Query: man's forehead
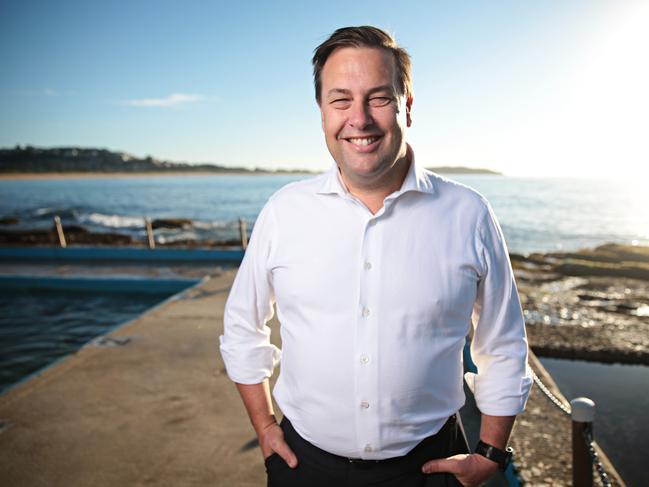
column 340, row 54
column 350, row 64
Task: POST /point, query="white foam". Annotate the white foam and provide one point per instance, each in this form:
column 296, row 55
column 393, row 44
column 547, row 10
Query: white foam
column 175, row 237
column 113, row 221
column 203, row 225
column 43, row 211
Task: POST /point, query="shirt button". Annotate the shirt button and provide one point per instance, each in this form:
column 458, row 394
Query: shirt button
column 365, row 404
column 364, row 359
column 368, row 448
column 366, row 312
column 368, row 266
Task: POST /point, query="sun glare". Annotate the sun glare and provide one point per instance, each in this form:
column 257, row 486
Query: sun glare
column 608, row 104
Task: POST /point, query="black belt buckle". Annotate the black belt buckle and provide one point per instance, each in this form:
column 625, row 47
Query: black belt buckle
column 359, row 462
column 362, row 461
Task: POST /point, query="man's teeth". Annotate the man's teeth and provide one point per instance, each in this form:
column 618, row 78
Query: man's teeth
column 363, row 140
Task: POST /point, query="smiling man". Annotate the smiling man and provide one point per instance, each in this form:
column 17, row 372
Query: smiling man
column 378, row 270
column 365, row 113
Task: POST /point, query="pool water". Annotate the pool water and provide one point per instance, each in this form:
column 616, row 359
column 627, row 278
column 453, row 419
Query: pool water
column 620, row 395
column 39, row 327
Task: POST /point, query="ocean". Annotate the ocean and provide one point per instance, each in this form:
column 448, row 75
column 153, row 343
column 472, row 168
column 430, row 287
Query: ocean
column 536, row 214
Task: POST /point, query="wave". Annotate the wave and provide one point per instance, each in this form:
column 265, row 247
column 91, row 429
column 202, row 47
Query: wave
column 95, row 221
column 112, row 221
column 49, row 213
column 212, row 225
column 175, row 237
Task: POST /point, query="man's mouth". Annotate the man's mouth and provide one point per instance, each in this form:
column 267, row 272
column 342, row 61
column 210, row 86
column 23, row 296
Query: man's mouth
column 363, row 141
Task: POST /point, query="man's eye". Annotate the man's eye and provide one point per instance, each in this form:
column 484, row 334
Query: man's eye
column 340, row 102
column 380, row 101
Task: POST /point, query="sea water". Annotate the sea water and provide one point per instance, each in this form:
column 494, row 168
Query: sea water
column 536, row 214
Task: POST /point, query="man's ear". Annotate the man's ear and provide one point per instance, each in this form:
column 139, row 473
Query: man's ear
column 408, row 111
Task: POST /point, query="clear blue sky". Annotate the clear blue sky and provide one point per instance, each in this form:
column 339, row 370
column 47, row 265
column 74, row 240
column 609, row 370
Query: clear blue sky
column 525, row 87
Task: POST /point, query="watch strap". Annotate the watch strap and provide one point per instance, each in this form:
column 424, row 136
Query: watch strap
column 501, row 457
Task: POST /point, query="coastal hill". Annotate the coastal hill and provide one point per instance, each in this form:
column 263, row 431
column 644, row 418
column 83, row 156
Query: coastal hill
column 29, row 159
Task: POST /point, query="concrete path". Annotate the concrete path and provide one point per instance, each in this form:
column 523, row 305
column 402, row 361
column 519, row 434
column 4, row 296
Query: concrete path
column 157, row 411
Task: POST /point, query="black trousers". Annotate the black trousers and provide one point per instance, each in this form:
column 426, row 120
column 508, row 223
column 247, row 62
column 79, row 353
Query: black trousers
column 318, row 468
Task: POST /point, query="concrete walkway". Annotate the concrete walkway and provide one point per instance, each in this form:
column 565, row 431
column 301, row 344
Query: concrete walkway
column 157, row 411
column 161, row 411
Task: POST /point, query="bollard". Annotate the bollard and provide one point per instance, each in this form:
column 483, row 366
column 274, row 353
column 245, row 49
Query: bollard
column 59, row 230
column 243, row 233
column 149, row 233
column 583, row 414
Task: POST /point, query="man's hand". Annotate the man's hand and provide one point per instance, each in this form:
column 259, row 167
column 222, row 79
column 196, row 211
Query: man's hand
column 256, row 398
column 470, row 470
column 271, row 440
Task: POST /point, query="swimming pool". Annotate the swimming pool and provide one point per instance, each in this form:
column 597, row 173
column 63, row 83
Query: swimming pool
column 38, row 328
column 618, row 390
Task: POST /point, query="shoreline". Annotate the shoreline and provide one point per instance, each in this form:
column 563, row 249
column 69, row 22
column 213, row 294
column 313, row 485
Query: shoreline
column 139, row 174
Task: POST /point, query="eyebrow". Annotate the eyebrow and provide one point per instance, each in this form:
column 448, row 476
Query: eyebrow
column 343, row 91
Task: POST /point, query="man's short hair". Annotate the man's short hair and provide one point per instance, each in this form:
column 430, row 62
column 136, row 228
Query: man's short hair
column 363, row 36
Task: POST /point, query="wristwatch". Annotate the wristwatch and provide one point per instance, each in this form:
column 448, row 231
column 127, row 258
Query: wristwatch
column 501, row 457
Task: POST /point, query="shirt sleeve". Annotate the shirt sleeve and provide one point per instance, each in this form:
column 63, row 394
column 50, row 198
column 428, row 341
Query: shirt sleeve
column 245, row 346
column 499, row 347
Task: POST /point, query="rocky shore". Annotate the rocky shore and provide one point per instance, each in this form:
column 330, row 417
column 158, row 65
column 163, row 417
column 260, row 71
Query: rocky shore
column 79, row 235
column 590, row 305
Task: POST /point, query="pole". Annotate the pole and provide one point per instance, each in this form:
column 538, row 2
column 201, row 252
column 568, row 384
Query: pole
column 149, row 233
column 243, row 233
column 59, row 231
column 583, row 414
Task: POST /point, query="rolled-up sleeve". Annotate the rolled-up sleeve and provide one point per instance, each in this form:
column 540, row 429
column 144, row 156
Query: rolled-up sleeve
column 499, row 347
column 245, row 346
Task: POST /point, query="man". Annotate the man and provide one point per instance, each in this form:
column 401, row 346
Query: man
column 376, row 269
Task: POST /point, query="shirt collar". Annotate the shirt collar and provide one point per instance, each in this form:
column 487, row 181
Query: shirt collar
column 417, row 179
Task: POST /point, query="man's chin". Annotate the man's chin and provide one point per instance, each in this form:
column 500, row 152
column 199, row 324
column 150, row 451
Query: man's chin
column 363, row 173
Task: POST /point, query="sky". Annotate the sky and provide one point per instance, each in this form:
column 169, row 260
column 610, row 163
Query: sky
column 528, row 88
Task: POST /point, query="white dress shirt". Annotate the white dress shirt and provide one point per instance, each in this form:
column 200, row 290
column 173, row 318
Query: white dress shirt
column 374, row 311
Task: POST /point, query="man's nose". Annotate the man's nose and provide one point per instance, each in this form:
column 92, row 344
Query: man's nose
column 360, row 116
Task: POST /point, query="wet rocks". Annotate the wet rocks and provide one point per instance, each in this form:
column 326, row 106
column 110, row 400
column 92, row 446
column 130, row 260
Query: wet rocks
column 171, row 223
column 598, row 311
column 73, row 235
